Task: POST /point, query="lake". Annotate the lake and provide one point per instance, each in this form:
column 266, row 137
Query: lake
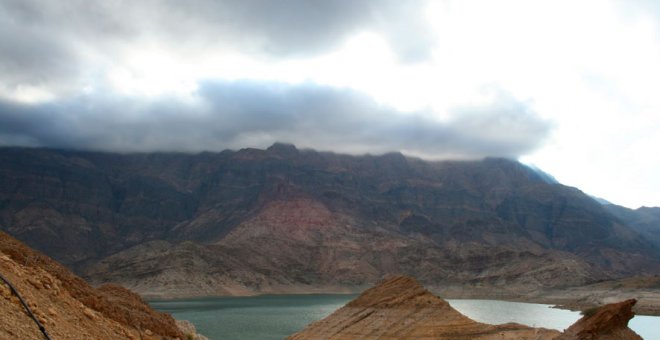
column 277, row 316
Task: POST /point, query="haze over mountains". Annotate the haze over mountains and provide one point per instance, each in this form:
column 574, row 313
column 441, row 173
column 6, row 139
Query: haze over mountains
column 289, row 220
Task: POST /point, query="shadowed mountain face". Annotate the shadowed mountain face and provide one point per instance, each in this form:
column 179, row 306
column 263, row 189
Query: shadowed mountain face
column 645, row 220
column 270, row 220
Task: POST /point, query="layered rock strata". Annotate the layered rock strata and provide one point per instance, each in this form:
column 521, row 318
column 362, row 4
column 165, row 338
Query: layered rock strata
column 66, row 306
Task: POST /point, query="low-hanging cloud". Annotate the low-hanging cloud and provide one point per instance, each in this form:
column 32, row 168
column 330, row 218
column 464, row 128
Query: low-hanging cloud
column 63, row 47
column 223, row 114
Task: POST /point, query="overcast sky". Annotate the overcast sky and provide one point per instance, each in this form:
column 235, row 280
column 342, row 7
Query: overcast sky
column 569, row 86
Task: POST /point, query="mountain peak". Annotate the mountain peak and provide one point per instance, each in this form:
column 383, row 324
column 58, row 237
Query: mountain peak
column 397, row 291
column 283, row 149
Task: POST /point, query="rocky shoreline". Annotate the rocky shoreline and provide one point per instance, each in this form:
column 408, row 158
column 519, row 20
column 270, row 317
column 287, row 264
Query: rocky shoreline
column 645, row 289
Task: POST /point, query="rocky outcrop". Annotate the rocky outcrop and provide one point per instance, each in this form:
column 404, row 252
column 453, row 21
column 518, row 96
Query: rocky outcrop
column 400, row 308
column 189, row 330
column 66, row 306
column 609, row 322
column 284, row 217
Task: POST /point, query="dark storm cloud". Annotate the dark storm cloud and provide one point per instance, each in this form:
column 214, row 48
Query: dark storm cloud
column 239, row 114
column 44, row 39
column 60, row 47
column 303, row 27
column 31, row 55
column 56, row 45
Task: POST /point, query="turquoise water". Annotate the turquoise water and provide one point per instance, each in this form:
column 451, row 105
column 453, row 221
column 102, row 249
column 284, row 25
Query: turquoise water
column 254, row 317
column 276, row 316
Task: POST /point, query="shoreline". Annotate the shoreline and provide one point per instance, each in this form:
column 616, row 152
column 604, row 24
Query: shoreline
column 571, row 298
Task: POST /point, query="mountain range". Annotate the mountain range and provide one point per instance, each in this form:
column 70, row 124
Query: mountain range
column 288, row 220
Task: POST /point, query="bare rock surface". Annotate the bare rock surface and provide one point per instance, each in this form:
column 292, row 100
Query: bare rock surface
column 609, row 322
column 66, row 306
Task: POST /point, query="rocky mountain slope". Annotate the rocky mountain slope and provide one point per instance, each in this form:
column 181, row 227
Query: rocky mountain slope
column 645, row 220
column 400, row 308
column 286, row 220
column 66, row 306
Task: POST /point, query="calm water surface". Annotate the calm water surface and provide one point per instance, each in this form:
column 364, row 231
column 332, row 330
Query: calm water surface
column 254, row 317
column 276, row 316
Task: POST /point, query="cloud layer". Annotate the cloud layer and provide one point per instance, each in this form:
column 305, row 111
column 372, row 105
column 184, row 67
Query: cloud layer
column 61, row 56
column 59, row 44
column 225, row 114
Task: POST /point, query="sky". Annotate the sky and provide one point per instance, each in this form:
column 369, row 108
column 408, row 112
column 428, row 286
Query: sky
column 567, row 86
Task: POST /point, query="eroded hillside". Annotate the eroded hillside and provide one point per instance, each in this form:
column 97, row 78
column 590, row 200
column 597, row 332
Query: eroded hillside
column 66, row 306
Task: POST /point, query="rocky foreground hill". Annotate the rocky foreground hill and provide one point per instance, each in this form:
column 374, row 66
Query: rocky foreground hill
column 400, row 308
column 66, row 306
column 289, row 220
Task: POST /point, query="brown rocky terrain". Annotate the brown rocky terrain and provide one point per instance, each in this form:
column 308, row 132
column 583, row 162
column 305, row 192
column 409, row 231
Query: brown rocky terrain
column 66, row 306
column 299, row 246
column 607, row 322
column 286, row 220
column 645, row 289
column 400, row 308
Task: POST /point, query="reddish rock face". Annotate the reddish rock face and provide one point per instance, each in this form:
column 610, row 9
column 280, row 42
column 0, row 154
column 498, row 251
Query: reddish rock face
column 607, row 322
column 400, row 308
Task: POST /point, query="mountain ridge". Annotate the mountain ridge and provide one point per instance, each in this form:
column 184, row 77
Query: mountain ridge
column 261, row 220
